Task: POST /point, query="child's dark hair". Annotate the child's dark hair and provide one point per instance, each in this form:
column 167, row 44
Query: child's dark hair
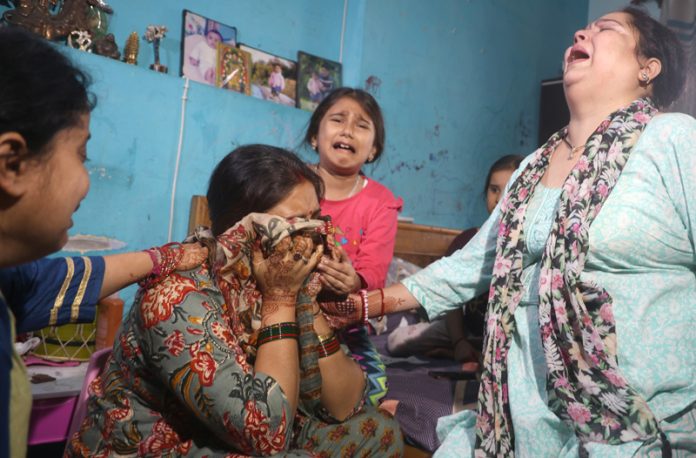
column 254, row 178
column 507, row 162
column 658, row 41
column 366, row 102
column 41, row 91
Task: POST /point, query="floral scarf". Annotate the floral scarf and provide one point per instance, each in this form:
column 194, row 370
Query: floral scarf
column 230, row 259
column 585, row 386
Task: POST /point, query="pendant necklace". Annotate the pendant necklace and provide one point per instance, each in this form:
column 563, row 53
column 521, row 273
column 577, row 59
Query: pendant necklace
column 355, row 186
column 573, row 149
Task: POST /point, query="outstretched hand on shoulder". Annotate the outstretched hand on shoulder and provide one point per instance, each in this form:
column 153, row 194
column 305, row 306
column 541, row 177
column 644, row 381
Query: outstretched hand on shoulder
column 193, row 256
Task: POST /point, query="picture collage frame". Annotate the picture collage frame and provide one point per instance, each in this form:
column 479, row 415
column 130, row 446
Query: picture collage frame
column 211, row 54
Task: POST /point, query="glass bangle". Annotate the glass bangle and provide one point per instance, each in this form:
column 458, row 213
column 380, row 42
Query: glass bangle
column 328, row 347
column 278, row 331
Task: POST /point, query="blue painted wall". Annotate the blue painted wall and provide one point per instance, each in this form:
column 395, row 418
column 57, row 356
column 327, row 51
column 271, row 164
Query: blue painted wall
column 460, row 88
column 458, row 81
column 597, row 8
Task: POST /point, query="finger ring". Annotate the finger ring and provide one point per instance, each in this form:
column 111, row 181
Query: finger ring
column 297, row 256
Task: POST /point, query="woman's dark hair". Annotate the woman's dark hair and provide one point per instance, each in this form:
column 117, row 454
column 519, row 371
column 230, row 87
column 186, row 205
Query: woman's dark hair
column 41, row 91
column 254, row 178
column 507, row 162
column 658, row 41
column 365, row 100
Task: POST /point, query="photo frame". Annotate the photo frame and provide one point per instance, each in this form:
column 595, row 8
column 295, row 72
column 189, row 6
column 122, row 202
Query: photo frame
column 199, row 40
column 316, row 77
column 233, row 68
column 272, row 78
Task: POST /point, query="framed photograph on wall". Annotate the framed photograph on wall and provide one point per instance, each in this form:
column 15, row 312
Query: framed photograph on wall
column 316, row 77
column 233, row 68
column 272, row 78
column 199, row 41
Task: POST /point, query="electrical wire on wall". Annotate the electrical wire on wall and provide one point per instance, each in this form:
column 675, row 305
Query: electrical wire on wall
column 343, row 30
column 182, row 124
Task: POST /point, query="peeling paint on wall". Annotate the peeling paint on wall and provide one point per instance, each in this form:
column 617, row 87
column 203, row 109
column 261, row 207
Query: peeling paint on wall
column 434, row 157
column 83, row 243
column 100, row 172
column 418, row 166
column 524, row 131
column 407, row 166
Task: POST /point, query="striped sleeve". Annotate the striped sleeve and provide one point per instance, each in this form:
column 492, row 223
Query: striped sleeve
column 53, row 291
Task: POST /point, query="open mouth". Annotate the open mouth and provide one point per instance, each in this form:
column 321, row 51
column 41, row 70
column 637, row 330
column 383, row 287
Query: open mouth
column 344, row 146
column 577, row 54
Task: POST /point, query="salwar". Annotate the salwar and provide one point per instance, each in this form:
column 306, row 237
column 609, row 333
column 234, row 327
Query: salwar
column 370, row 433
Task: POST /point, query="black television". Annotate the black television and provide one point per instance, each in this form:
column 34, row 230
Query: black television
column 553, row 110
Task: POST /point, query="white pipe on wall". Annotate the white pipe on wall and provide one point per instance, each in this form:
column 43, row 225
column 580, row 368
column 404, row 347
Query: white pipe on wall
column 182, row 124
column 343, row 30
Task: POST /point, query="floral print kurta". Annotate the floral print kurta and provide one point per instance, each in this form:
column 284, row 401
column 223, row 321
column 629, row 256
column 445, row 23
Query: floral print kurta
column 642, row 252
column 178, row 384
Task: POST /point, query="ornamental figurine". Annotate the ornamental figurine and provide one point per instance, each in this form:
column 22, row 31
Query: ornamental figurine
column 80, row 39
column 130, row 51
column 153, row 34
column 55, row 20
column 106, row 46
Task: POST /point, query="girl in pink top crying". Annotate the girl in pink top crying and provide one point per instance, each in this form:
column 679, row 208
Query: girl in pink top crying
column 347, row 131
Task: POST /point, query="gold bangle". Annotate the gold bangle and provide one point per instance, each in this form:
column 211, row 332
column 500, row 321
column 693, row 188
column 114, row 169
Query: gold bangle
column 328, row 347
column 324, row 337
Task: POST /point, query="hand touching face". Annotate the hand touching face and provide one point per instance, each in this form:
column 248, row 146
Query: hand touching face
column 284, row 271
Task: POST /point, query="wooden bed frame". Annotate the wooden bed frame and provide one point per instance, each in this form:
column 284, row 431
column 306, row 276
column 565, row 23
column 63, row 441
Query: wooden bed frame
column 415, row 243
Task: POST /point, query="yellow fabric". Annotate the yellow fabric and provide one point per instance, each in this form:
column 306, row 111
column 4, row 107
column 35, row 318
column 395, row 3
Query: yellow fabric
column 20, row 402
column 61, row 294
column 75, row 309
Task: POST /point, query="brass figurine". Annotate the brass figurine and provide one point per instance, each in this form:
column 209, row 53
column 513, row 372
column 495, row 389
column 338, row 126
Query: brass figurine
column 130, row 51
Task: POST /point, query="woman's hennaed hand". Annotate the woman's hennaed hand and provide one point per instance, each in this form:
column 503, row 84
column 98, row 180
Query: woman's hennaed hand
column 287, row 267
column 193, row 256
column 314, row 287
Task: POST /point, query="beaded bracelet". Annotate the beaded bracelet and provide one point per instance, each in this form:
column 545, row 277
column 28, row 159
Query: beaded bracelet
column 278, row 331
column 165, row 260
column 328, row 345
column 365, row 307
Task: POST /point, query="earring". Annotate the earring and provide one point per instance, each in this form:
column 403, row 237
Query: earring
column 369, row 159
column 314, row 146
column 645, row 77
